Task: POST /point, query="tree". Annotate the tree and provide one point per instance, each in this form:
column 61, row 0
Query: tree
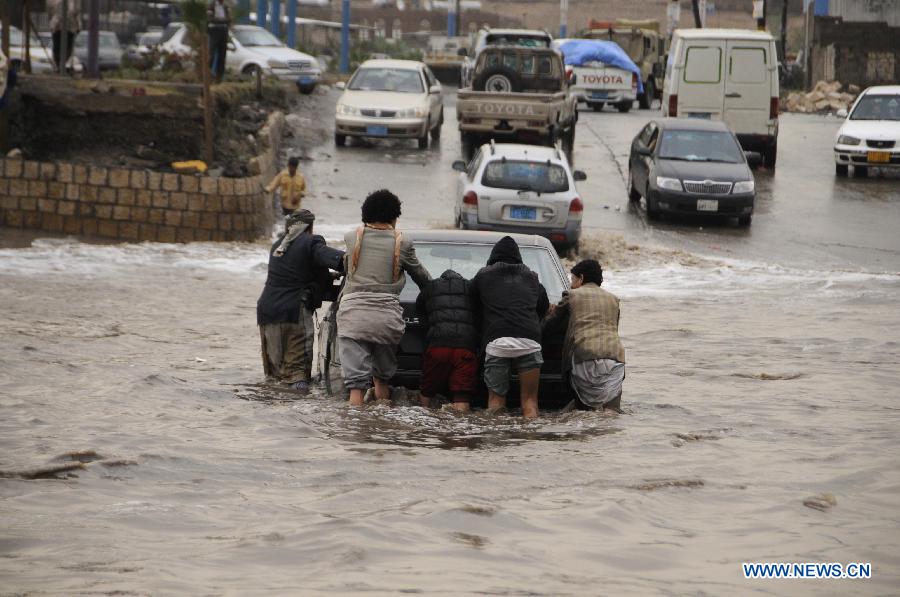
column 698, row 22
column 194, row 15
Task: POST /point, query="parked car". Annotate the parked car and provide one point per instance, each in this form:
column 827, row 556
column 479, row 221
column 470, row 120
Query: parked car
column 109, row 51
column 41, row 55
column 520, row 188
column 145, row 44
column 465, row 253
column 518, row 95
column 730, row 75
column 398, row 99
column 526, row 38
column 597, row 83
column 870, row 136
column 686, row 165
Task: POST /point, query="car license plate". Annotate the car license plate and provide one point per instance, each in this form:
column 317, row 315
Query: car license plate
column 879, row 157
column 707, row 205
column 522, row 213
column 703, row 115
column 599, row 94
column 376, row 131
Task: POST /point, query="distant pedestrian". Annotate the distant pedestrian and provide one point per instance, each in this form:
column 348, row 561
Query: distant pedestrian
column 218, row 20
column 370, row 319
column 291, row 186
column 299, row 272
column 512, row 302
column 70, row 28
column 447, row 313
column 593, row 356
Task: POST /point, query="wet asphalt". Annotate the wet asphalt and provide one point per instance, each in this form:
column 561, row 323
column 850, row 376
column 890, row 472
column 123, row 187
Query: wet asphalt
column 805, row 216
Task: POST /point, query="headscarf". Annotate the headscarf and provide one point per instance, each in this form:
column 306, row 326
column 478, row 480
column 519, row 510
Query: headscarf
column 505, row 251
column 297, row 222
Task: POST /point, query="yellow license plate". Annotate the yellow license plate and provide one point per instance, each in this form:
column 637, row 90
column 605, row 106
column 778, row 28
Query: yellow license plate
column 879, row 157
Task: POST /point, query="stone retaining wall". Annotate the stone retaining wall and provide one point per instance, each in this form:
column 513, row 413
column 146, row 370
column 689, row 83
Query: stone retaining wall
column 141, row 205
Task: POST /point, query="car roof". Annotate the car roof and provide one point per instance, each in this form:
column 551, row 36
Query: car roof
column 724, row 34
column 474, row 237
column 532, row 32
column 692, row 124
column 520, row 150
column 387, row 63
column 882, row 90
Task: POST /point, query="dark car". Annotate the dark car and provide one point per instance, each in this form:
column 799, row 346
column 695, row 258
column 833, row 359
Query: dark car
column 464, row 252
column 690, row 166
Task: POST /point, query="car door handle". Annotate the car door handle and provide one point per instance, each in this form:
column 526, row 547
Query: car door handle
column 733, row 94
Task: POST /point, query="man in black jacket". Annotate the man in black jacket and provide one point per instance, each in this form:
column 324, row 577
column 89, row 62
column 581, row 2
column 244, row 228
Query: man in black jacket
column 299, row 265
column 447, row 313
column 512, row 302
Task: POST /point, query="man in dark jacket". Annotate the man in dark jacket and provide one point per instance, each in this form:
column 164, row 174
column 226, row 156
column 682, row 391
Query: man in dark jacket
column 447, row 314
column 299, row 265
column 512, row 302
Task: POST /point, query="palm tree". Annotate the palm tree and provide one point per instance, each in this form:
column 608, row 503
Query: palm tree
column 194, row 15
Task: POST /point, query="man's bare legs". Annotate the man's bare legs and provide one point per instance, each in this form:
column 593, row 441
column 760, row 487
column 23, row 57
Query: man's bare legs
column 528, row 390
column 461, row 403
column 357, row 397
column 382, row 391
column 495, row 401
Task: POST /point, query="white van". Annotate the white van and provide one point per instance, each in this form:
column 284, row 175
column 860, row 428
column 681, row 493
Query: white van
column 730, row 75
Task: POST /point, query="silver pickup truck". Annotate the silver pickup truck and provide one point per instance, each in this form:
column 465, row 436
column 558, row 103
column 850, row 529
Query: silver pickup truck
column 518, row 95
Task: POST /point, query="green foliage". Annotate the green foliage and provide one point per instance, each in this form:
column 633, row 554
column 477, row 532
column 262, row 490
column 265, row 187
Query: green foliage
column 193, row 13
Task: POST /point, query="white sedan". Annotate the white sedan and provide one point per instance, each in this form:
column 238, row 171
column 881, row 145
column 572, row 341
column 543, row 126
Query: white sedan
column 390, row 99
column 870, row 137
column 529, row 189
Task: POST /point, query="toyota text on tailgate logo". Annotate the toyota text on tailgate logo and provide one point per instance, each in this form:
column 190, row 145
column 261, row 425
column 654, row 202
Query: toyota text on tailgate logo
column 505, row 109
column 604, row 79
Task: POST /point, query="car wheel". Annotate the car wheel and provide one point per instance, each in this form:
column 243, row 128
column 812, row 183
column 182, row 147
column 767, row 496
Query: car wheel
column 423, row 140
column 770, row 155
column 249, row 71
column 339, row 139
column 306, row 89
column 467, row 146
column 860, row 171
column 436, row 131
column 645, row 100
column 598, row 106
column 652, row 210
column 841, row 169
column 745, row 220
column 569, row 145
column 633, row 193
column 623, row 107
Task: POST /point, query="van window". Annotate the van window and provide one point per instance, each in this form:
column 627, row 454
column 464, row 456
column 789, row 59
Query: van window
column 703, row 64
column 747, row 65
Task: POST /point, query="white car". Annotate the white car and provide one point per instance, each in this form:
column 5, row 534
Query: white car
column 145, row 44
column 398, row 99
column 252, row 48
column 41, row 57
column 870, row 137
column 528, row 189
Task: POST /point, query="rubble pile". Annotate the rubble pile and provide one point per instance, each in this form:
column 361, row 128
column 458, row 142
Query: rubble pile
column 825, row 97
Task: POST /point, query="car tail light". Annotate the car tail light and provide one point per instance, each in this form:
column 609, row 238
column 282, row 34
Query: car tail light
column 557, row 237
column 773, row 108
column 633, row 81
column 470, row 198
column 576, row 206
column 673, row 106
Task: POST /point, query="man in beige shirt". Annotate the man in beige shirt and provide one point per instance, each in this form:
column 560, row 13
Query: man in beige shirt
column 70, row 28
column 291, row 185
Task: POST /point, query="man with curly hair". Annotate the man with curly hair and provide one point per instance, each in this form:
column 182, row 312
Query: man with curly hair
column 370, row 319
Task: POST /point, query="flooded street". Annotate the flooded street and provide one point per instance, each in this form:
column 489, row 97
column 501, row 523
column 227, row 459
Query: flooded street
column 762, row 385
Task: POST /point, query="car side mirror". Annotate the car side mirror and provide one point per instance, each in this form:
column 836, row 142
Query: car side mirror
column 462, row 52
column 643, row 150
column 434, row 89
column 340, row 85
column 579, row 175
column 459, row 166
column 754, row 158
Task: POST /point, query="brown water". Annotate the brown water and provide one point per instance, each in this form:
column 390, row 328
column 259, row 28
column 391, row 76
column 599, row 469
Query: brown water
column 750, row 388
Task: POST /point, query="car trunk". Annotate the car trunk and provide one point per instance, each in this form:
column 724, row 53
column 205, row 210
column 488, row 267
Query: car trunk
column 523, row 208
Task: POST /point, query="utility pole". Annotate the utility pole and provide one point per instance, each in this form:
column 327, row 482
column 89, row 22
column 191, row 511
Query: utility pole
column 345, row 36
column 784, row 27
column 93, row 65
column 759, row 13
column 262, row 7
column 276, row 18
column 563, row 18
column 292, row 24
column 698, row 22
column 452, row 11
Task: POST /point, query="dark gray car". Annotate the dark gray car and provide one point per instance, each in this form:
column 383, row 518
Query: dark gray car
column 692, row 166
column 109, row 50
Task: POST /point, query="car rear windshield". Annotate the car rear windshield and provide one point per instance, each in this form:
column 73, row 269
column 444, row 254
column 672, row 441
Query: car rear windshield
column 700, row 146
column 402, row 80
column 542, row 177
column 518, row 39
column 877, row 107
column 466, row 259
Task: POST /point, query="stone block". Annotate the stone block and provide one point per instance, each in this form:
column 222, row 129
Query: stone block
column 226, row 186
column 52, row 222
column 240, row 186
column 15, row 219
column 156, row 216
column 165, row 234
column 195, row 202
column 107, row 228
column 97, row 176
column 154, row 181
column 184, row 235
column 9, row 203
column 121, row 212
column 128, row 231
column 65, row 173
column 90, row 194
column 139, row 214
column 32, row 219
column 28, row 203
column 47, row 205
column 72, row 225
column 103, row 212
column 209, row 186
column 202, row 235
column 190, row 184
column 106, row 195
column 209, row 221
column 86, row 209
column 146, row 232
column 190, row 219
column 170, row 182
column 138, row 179
column 160, row 199
column 80, row 175
column 47, row 171
column 125, row 197
column 66, row 208
column 225, row 221
column 56, row 190
column 4, row 187
column 89, row 227
column 173, row 217
column 31, row 170
column 219, row 236
column 143, row 198
column 37, row 188
column 230, row 203
column 213, row 203
column 178, row 200
column 13, row 168
column 119, row 178
column 73, row 191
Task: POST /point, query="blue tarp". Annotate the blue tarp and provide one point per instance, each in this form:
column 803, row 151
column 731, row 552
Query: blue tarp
column 578, row 52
